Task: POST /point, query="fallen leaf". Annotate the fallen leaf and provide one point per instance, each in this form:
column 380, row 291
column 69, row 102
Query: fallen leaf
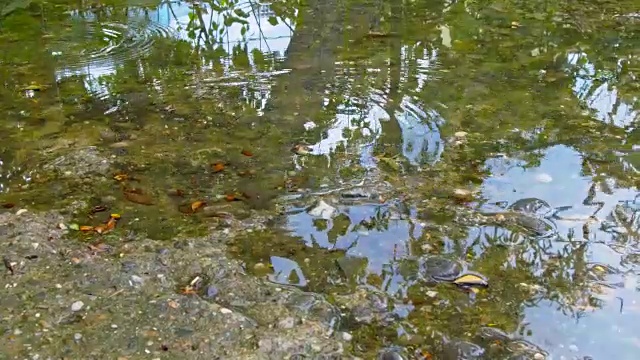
column 8, row 205
column 111, row 224
column 172, row 304
column 100, row 229
column 86, row 228
column 188, row 290
column 246, row 153
column 197, row 205
column 116, row 216
column 121, row 177
column 217, row 167
column 232, row 197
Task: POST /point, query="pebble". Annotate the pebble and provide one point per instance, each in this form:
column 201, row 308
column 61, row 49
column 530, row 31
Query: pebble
column 286, row 323
column 17, row 332
column 77, row 306
column 225, row 311
column 538, row 356
column 21, row 211
column 346, row 336
column 460, row 134
column 114, row 326
column 212, row 291
column 77, row 336
column 136, row 280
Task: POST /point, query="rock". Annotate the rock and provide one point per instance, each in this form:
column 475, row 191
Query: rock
column 81, row 163
column 286, row 323
column 77, row 336
column 438, row 268
column 457, row 349
column 77, row 306
column 212, row 291
column 531, row 206
column 463, row 195
column 108, row 135
column 460, row 134
column 136, row 280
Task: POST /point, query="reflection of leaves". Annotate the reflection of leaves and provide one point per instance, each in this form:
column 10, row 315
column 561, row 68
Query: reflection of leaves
column 14, row 5
column 340, row 227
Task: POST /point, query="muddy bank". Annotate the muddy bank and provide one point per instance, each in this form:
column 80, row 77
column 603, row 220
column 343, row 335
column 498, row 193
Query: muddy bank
column 127, row 297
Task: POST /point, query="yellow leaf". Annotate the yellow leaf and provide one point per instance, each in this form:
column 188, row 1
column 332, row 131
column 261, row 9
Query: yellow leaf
column 471, row 280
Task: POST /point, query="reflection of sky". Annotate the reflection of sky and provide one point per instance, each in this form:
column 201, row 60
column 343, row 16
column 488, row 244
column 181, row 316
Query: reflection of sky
column 171, row 19
column 604, row 100
column 421, row 141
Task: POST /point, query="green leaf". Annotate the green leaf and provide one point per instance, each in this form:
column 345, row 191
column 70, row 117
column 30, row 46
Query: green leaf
column 273, row 20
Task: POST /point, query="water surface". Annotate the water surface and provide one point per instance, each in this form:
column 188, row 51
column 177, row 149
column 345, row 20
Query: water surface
column 402, row 106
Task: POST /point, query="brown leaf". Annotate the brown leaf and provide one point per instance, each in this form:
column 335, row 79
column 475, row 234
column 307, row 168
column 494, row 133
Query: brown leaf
column 100, row 229
column 120, row 177
column 111, row 224
column 246, row 152
column 232, row 197
column 138, row 197
column 8, row 205
column 197, row 205
column 217, row 167
column 86, row 228
column 188, row 290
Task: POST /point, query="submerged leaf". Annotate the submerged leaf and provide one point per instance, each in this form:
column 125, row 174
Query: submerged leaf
column 217, row 167
column 246, row 153
column 197, row 205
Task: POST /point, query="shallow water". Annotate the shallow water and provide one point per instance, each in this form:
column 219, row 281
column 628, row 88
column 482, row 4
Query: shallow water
column 401, row 106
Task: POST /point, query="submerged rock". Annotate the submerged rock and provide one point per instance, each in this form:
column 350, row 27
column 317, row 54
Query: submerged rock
column 438, row 268
column 81, row 163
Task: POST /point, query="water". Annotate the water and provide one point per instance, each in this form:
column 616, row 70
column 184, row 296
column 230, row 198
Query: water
column 401, row 106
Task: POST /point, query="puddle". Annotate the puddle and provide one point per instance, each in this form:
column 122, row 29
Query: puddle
column 365, row 142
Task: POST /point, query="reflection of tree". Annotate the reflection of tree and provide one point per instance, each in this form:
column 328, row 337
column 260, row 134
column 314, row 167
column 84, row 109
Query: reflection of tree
column 508, row 85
